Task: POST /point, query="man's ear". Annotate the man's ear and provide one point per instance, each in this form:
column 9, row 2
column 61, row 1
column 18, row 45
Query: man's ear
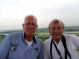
column 23, row 25
column 49, row 29
column 37, row 26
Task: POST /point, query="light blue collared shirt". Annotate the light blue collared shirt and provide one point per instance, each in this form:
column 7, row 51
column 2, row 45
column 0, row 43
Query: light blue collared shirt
column 15, row 47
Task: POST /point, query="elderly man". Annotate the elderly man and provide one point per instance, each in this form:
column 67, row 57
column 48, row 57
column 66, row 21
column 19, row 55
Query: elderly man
column 23, row 45
column 60, row 45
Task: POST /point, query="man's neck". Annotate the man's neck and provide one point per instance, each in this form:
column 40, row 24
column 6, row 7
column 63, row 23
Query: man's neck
column 29, row 38
column 56, row 40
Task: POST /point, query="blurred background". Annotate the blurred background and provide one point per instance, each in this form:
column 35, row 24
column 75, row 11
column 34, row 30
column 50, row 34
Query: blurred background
column 12, row 13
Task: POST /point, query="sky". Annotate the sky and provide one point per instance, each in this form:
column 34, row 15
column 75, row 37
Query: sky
column 12, row 12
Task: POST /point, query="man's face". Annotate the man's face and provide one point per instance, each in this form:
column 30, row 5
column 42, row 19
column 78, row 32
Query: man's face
column 30, row 25
column 56, row 30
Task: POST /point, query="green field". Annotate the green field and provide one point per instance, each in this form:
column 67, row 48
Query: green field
column 45, row 35
column 1, row 38
column 42, row 35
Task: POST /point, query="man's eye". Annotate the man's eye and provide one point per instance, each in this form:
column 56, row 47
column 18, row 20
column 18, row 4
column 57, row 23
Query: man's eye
column 30, row 24
column 53, row 28
column 27, row 24
column 59, row 28
column 34, row 24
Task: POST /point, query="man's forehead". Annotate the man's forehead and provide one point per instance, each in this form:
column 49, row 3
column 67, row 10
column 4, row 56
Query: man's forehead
column 30, row 19
column 56, row 22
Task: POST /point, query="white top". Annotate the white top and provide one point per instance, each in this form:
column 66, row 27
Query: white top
column 72, row 43
column 29, row 43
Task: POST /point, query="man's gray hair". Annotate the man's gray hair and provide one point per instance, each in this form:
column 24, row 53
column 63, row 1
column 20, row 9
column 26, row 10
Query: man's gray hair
column 57, row 21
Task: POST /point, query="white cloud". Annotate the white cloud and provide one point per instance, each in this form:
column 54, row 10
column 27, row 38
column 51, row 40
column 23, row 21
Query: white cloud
column 12, row 12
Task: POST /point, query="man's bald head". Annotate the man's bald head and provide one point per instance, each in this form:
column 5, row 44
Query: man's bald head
column 30, row 18
column 30, row 25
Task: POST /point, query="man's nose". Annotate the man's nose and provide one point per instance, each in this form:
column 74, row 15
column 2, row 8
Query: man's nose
column 56, row 30
column 30, row 25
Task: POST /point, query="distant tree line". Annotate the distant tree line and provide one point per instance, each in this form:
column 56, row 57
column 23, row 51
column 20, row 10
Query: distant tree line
column 72, row 28
column 67, row 28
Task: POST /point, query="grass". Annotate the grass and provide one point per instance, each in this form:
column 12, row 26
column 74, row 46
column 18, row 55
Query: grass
column 2, row 37
column 42, row 35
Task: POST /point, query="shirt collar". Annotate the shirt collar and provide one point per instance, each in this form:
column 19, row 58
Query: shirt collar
column 34, row 38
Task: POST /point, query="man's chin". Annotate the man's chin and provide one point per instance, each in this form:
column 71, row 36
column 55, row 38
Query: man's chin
column 30, row 34
column 56, row 36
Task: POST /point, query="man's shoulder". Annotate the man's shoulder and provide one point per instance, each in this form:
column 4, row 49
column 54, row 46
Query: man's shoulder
column 47, row 41
column 70, row 35
column 38, row 40
column 15, row 34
